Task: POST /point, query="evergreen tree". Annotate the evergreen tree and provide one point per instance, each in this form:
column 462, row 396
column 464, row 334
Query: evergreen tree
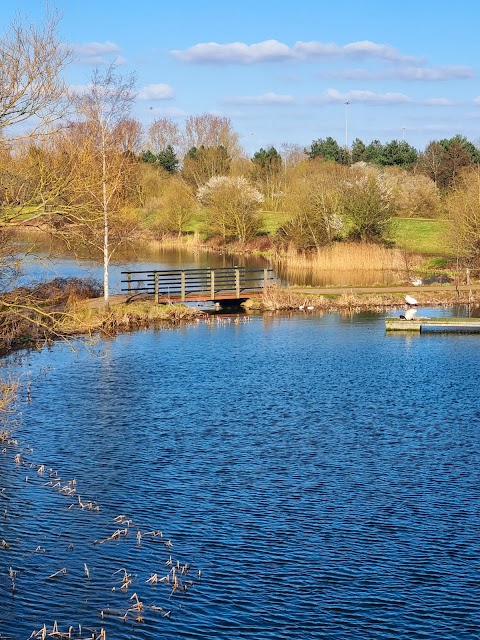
column 167, row 159
column 399, row 154
column 148, row 157
column 374, row 152
column 267, row 159
column 358, row 150
column 328, row 149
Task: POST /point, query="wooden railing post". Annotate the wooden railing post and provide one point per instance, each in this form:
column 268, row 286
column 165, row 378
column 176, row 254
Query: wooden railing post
column 156, row 277
column 212, row 284
column 183, row 288
column 237, row 282
column 195, row 284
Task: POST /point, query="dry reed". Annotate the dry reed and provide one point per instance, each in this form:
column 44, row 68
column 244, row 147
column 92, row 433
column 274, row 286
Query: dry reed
column 83, row 319
column 39, row 315
column 346, row 256
column 8, row 396
column 347, row 263
column 277, row 299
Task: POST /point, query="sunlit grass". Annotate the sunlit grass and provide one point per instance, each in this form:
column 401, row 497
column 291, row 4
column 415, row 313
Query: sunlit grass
column 421, row 235
column 272, row 221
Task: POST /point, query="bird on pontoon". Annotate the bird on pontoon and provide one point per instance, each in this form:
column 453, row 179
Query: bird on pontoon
column 409, row 314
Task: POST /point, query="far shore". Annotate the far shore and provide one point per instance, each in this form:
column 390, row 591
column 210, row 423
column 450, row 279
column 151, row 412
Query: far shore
column 333, row 299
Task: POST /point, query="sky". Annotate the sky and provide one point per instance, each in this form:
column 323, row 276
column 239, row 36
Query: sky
column 283, row 71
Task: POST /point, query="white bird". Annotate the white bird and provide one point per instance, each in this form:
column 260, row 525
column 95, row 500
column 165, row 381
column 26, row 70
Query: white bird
column 416, row 282
column 410, row 314
column 310, row 308
column 411, row 301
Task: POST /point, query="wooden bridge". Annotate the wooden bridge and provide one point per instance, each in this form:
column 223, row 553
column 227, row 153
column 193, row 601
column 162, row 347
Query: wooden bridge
column 227, row 285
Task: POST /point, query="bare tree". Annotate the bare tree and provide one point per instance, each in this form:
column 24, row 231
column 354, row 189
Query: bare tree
column 292, row 153
column 207, row 130
column 32, row 90
column 431, row 160
column 462, row 206
column 176, row 206
column 314, row 202
column 102, row 111
column 201, row 164
column 129, row 134
column 32, row 103
column 162, row 133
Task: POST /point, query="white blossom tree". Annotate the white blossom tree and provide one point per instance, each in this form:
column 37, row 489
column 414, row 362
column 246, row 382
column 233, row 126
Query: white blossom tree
column 232, row 207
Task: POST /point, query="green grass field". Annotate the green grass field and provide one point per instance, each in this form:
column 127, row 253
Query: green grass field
column 272, row 220
column 419, row 235
column 422, row 235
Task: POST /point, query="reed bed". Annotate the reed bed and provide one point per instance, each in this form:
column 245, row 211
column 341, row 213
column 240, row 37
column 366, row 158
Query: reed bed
column 8, row 396
column 346, row 256
column 82, row 319
column 350, row 263
column 189, row 241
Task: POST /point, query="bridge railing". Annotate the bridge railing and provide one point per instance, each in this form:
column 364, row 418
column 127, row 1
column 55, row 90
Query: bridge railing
column 193, row 284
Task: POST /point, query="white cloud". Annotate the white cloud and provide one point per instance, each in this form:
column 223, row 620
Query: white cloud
column 370, row 97
column 235, row 53
column 156, row 92
column 409, row 73
column 275, row 51
column 265, row 99
column 437, row 102
column 97, row 53
column 361, row 96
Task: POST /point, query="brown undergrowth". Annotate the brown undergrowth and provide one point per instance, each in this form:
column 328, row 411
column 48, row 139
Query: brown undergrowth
column 83, row 319
column 32, row 317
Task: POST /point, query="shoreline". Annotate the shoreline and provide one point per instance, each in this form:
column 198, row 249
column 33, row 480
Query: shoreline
column 89, row 318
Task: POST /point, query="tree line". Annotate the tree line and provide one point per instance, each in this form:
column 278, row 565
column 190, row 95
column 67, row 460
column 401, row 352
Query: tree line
column 86, row 169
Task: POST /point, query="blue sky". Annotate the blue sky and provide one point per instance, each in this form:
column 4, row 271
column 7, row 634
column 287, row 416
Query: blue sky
column 283, row 71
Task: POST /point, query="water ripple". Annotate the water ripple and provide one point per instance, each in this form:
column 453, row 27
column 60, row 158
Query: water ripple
column 324, row 479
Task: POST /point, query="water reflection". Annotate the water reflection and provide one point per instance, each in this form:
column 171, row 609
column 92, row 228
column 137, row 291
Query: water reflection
column 46, row 258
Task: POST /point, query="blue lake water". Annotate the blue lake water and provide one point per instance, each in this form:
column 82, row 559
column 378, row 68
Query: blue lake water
column 324, row 478
column 42, row 260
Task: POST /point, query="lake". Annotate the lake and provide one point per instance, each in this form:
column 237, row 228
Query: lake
column 44, row 258
column 322, row 476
